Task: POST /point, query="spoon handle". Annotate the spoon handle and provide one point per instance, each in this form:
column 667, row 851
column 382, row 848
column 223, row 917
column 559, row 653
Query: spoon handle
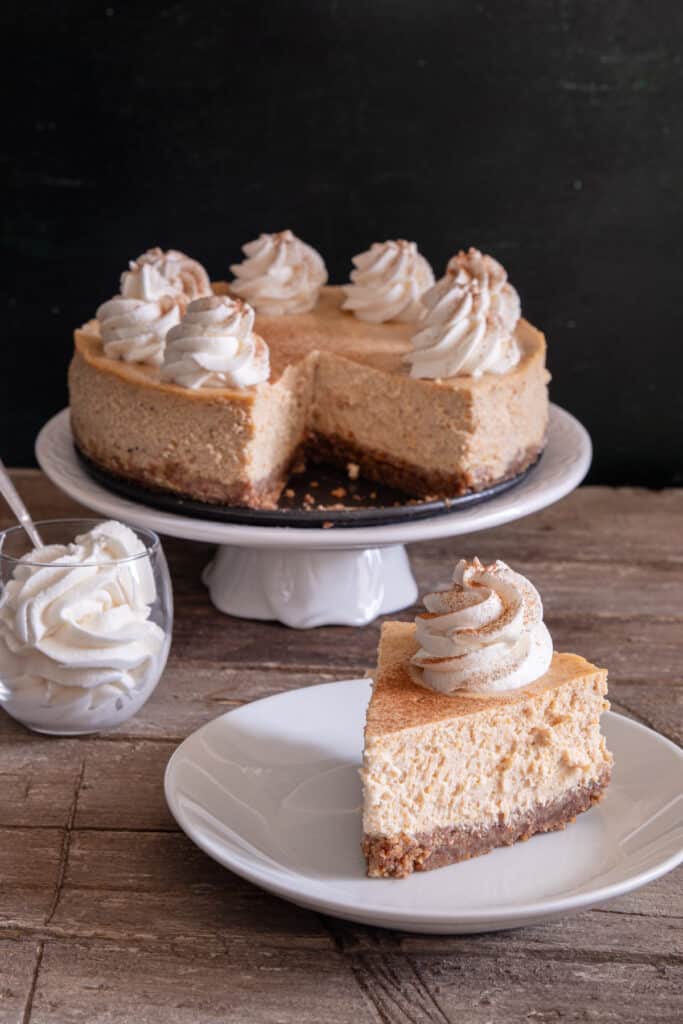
column 13, row 499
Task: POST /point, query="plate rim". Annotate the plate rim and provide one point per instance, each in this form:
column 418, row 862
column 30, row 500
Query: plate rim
column 402, row 919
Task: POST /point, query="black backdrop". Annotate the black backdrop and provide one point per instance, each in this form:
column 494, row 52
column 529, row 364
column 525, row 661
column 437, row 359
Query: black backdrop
column 547, row 132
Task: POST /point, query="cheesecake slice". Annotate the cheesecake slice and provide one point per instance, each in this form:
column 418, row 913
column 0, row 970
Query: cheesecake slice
column 449, row 776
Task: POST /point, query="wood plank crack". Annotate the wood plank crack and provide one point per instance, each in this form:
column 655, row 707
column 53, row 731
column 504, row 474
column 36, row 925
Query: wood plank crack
column 143, row 829
column 28, row 1005
column 388, row 947
column 634, row 913
column 389, row 980
column 328, row 670
column 66, row 845
column 395, row 988
column 122, row 737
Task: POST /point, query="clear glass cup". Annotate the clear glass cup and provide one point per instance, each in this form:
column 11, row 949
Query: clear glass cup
column 83, row 644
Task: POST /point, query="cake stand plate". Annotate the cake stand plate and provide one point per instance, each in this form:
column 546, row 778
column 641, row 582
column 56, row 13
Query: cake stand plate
column 305, row 577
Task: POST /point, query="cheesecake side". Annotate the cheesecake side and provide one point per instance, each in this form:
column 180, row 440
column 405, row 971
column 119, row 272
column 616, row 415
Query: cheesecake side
column 227, row 446
column 509, row 416
column 451, row 777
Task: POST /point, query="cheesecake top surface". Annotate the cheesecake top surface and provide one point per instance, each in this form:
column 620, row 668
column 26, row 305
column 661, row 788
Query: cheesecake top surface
column 325, row 329
column 398, row 703
column 329, row 328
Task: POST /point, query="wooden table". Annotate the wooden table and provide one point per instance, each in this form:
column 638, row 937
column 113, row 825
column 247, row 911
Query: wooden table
column 109, row 914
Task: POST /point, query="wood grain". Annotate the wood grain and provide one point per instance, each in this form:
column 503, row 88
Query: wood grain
column 109, row 915
column 101, row 982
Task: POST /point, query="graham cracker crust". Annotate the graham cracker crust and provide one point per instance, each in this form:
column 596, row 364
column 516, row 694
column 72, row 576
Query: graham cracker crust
column 171, row 477
column 398, row 856
column 414, row 480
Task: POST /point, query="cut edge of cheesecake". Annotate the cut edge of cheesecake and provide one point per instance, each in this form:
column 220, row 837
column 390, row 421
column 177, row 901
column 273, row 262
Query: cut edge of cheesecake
column 450, row 777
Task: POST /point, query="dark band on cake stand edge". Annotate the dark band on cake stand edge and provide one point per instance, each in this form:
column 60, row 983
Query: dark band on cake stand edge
column 373, row 504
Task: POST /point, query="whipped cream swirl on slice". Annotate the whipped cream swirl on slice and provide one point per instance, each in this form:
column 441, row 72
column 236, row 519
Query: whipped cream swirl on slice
column 134, row 330
column 388, row 282
column 156, row 273
column 76, row 639
column 214, row 346
column 469, row 322
column 281, row 274
column 484, row 635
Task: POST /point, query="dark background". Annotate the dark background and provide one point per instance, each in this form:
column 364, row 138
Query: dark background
column 547, row 132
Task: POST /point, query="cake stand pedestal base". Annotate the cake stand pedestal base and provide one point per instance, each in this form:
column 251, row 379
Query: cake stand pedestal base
column 305, row 588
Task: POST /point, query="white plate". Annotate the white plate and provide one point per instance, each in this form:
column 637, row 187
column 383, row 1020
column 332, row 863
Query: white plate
column 272, row 792
column 565, row 462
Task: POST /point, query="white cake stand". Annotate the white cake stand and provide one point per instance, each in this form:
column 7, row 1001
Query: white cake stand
column 313, row 577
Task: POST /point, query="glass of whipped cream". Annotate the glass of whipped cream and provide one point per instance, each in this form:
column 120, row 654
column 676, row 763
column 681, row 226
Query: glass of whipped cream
column 85, row 624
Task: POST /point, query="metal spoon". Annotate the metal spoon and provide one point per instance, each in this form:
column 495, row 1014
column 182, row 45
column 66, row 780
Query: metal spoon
column 11, row 496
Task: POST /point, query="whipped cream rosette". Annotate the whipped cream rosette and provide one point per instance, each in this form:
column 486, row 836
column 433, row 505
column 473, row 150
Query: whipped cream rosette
column 134, row 330
column 157, row 273
column 484, row 635
column 280, row 275
column 470, row 317
column 388, row 282
column 490, row 275
column 77, row 645
column 155, row 291
column 214, row 346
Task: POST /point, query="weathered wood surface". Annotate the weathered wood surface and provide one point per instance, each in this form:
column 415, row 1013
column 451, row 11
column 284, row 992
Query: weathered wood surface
column 108, row 914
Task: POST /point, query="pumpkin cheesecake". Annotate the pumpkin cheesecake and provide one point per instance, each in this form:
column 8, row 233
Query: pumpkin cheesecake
column 477, row 734
column 215, row 392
